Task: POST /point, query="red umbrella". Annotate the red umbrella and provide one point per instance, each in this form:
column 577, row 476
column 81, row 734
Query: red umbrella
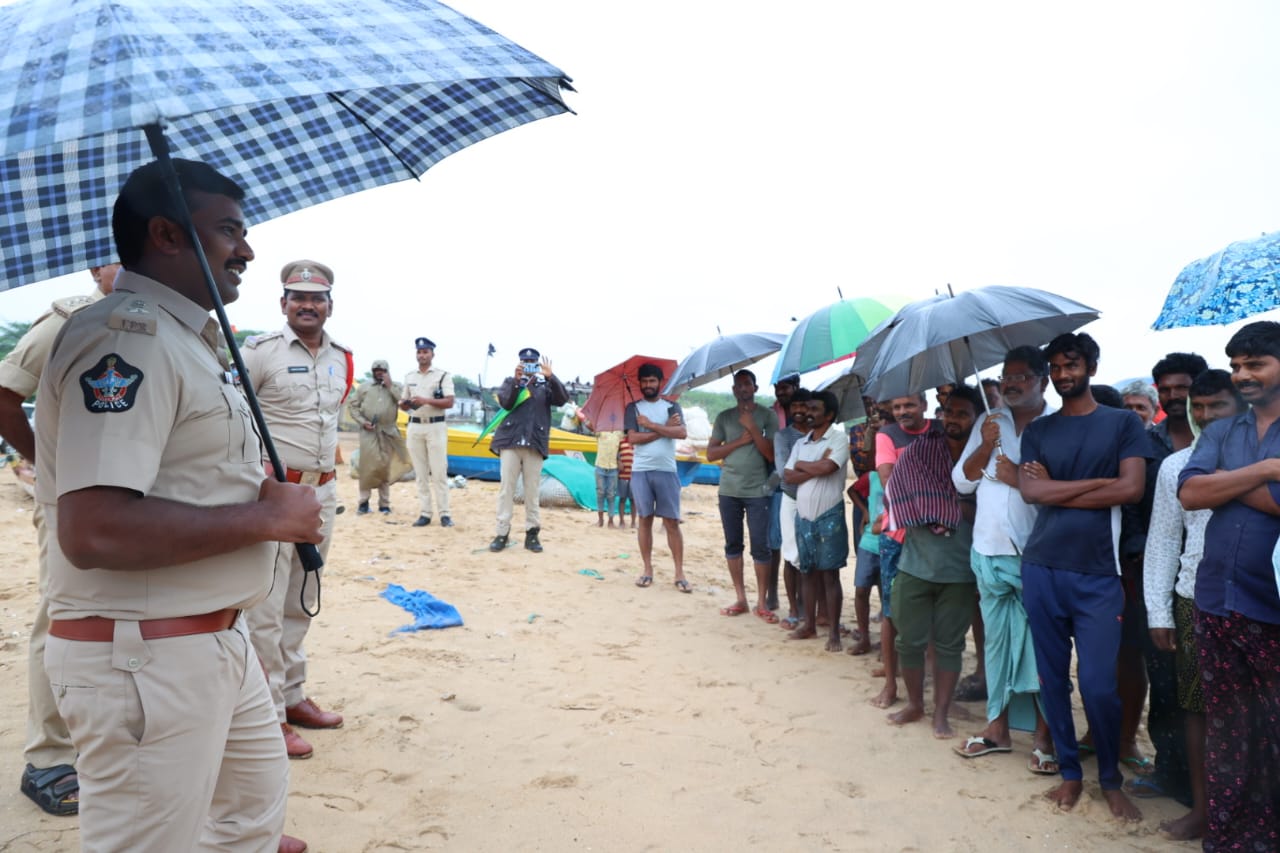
column 616, row 387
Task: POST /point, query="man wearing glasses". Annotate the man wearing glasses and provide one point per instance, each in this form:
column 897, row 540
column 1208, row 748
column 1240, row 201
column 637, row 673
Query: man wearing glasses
column 989, row 466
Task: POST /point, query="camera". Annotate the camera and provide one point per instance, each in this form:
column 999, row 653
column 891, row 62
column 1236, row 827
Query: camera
column 531, row 367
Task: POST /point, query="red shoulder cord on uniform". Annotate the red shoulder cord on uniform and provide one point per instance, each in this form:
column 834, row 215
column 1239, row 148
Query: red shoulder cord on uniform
column 351, row 375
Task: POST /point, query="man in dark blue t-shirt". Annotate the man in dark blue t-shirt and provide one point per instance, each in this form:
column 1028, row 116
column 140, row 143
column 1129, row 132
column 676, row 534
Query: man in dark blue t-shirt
column 1079, row 465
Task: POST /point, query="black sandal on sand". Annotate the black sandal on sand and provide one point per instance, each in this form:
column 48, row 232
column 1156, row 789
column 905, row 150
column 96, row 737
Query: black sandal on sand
column 54, row 789
column 683, row 585
column 644, row 580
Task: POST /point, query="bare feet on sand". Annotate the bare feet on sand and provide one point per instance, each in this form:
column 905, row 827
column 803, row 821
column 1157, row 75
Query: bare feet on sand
column 1066, row 795
column 942, row 728
column 834, row 645
column 1186, row 828
column 1121, row 806
column 886, row 697
column 909, row 714
column 860, row 647
column 804, row 632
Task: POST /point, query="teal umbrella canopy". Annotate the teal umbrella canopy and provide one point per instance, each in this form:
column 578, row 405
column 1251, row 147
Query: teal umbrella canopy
column 831, row 334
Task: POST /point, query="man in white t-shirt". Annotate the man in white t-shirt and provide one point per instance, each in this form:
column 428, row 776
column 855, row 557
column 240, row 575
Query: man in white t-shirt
column 817, row 467
column 653, row 425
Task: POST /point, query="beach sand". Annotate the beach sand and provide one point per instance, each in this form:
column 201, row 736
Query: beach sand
column 571, row 713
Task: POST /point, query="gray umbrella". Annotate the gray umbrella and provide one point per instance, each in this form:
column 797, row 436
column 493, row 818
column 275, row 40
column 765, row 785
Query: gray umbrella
column 950, row 337
column 721, row 357
column 848, row 390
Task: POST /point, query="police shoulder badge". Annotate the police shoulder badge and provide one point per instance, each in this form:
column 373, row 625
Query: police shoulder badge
column 111, row 385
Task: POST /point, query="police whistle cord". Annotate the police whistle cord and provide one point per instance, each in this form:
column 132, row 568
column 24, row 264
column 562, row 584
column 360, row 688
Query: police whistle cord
column 308, row 554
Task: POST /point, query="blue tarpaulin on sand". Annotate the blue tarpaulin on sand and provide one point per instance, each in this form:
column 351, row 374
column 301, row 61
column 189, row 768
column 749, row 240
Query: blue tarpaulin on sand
column 428, row 611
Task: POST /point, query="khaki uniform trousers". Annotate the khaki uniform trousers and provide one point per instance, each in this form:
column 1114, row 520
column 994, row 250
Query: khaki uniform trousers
column 525, row 463
column 429, row 449
column 279, row 624
column 48, row 741
column 179, row 748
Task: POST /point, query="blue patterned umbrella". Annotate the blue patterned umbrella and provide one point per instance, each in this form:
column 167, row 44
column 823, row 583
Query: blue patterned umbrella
column 1237, row 282
column 300, row 101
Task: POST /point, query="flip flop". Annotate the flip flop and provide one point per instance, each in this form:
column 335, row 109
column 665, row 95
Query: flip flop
column 767, row 616
column 1140, row 766
column 683, row 585
column 644, row 580
column 789, row 623
column 988, row 746
column 1145, row 788
column 1039, row 763
column 734, row 609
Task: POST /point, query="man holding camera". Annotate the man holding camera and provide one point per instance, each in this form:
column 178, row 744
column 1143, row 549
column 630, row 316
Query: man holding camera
column 522, row 439
column 428, row 394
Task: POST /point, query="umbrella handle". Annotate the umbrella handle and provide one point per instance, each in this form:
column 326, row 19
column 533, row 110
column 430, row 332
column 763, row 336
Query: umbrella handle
column 308, row 554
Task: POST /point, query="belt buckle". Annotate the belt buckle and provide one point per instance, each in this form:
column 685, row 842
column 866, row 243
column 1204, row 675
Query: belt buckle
column 310, row 478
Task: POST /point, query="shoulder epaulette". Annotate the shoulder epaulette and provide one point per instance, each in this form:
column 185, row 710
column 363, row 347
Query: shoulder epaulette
column 133, row 315
column 342, row 347
column 253, row 340
column 69, row 305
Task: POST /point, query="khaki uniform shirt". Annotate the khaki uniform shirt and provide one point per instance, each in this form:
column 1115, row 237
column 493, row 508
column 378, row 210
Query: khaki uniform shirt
column 419, row 384
column 371, row 403
column 300, row 395
column 137, row 395
column 20, row 371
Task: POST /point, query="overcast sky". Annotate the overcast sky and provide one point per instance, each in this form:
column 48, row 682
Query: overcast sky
column 733, row 164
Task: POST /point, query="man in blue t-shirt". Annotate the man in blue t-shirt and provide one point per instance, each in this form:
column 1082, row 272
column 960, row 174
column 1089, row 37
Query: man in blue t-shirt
column 1080, row 465
column 653, row 425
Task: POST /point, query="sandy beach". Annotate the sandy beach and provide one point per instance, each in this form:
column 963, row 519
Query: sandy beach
column 575, row 713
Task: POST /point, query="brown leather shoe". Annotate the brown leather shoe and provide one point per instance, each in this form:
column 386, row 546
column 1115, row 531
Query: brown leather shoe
column 307, row 715
column 289, row 844
column 294, row 744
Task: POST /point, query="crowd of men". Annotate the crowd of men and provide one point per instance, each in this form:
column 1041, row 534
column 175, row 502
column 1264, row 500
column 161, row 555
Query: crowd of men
column 1144, row 549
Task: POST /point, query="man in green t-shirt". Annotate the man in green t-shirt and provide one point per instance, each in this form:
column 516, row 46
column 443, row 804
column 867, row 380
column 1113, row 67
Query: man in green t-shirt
column 742, row 441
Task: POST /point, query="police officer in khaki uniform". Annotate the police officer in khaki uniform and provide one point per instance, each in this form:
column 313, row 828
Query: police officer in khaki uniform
column 150, row 472
column 428, row 394
column 301, row 376
column 49, row 778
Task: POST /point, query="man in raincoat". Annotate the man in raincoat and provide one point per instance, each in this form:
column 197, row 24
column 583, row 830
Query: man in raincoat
column 383, row 455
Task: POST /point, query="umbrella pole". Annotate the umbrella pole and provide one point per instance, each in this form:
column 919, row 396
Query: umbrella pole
column 308, row 554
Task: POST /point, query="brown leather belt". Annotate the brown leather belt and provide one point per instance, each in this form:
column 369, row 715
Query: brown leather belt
column 309, row 478
column 99, row 629
column 414, row 419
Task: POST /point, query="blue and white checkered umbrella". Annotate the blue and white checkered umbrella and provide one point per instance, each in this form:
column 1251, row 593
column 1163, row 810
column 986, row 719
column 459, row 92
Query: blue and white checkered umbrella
column 1241, row 280
column 300, row 101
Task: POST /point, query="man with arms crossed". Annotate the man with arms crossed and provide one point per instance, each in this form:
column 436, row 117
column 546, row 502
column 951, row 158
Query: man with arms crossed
column 653, row 425
column 1234, row 470
column 1079, row 465
column 151, row 474
column 816, row 468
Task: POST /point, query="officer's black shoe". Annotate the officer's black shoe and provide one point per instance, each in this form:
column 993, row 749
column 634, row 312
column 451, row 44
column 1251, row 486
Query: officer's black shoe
column 531, row 540
column 423, row 521
column 446, row 521
column 385, row 510
column 363, row 509
column 499, row 543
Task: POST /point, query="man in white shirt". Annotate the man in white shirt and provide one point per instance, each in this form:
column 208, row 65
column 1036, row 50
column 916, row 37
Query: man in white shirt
column 817, row 468
column 1175, row 545
column 989, row 466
